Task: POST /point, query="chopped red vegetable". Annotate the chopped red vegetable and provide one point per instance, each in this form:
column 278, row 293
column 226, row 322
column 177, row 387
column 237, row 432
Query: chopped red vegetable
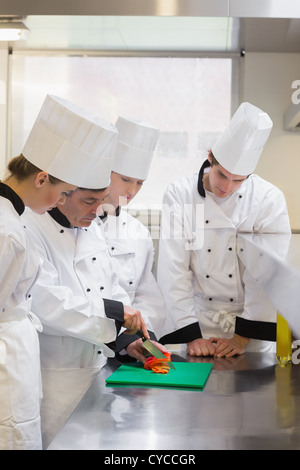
column 159, row 366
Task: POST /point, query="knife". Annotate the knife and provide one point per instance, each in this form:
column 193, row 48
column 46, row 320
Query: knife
column 153, row 349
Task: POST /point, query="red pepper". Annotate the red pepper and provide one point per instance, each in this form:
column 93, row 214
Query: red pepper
column 159, row 366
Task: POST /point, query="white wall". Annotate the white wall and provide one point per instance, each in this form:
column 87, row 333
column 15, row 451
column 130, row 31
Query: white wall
column 266, row 82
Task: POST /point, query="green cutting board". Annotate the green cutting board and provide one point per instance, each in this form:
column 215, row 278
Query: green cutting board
column 191, row 375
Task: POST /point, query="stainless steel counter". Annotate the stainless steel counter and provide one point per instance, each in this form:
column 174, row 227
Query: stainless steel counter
column 248, row 403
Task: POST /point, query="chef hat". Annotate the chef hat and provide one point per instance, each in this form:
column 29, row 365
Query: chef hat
column 135, row 148
column 72, row 145
column 240, row 146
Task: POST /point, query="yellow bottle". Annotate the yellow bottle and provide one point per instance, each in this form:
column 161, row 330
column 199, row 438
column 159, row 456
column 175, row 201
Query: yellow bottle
column 285, row 400
column 283, row 341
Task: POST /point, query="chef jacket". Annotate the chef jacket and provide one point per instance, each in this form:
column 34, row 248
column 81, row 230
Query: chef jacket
column 207, row 290
column 73, row 295
column 131, row 249
column 20, row 377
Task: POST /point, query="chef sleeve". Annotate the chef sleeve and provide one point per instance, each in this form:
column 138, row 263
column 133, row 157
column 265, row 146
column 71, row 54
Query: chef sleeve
column 65, row 314
column 273, row 214
column 12, row 258
column 258, row 319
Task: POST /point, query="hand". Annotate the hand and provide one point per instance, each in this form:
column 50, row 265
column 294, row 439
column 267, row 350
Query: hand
column 200, row 347
column 137, row 350
column 230, row 347
column 133, row 321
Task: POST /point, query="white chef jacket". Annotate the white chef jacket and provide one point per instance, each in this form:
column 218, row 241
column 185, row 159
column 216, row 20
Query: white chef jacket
column 206, row 288
column 72, row 298
column 131, row 249
column 20, row 376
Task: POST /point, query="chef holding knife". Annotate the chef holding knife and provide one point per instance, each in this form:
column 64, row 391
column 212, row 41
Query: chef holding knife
column 212, row 302
column 130, row 243
column 77, row 297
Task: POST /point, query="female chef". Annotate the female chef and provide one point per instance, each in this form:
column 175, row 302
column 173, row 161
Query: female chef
column 19, row 346
column 130, row 243
column 214, row 304
column 26, row 185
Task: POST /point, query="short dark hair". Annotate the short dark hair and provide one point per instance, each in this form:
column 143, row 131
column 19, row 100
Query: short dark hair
column 214, row 161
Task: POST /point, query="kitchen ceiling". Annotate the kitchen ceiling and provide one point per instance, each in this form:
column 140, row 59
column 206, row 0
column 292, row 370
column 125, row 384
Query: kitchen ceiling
column 160, row 34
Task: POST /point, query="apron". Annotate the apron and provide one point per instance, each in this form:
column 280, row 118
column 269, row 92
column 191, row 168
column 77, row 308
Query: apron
column 19, row 369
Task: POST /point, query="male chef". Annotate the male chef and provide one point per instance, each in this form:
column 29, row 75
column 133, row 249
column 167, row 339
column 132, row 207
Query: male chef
column 212, row 302
column 73, row 295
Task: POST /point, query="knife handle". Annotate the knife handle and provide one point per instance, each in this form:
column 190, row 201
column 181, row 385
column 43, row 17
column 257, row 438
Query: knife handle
column 141, row 334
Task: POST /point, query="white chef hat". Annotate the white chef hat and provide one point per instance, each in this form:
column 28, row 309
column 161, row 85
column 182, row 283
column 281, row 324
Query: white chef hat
column 71, row 144
column 135, row 148
column 240, row 146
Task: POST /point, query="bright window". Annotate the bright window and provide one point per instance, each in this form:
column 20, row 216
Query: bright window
column 188, row 98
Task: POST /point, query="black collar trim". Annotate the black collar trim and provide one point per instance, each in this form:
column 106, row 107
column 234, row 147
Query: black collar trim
column 103, row 216
column 105, row 213
column 59, row 217
column 11, row 195
column 201, row 189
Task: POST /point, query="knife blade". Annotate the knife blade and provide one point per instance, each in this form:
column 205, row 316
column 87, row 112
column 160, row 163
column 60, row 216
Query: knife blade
column 153, row 349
